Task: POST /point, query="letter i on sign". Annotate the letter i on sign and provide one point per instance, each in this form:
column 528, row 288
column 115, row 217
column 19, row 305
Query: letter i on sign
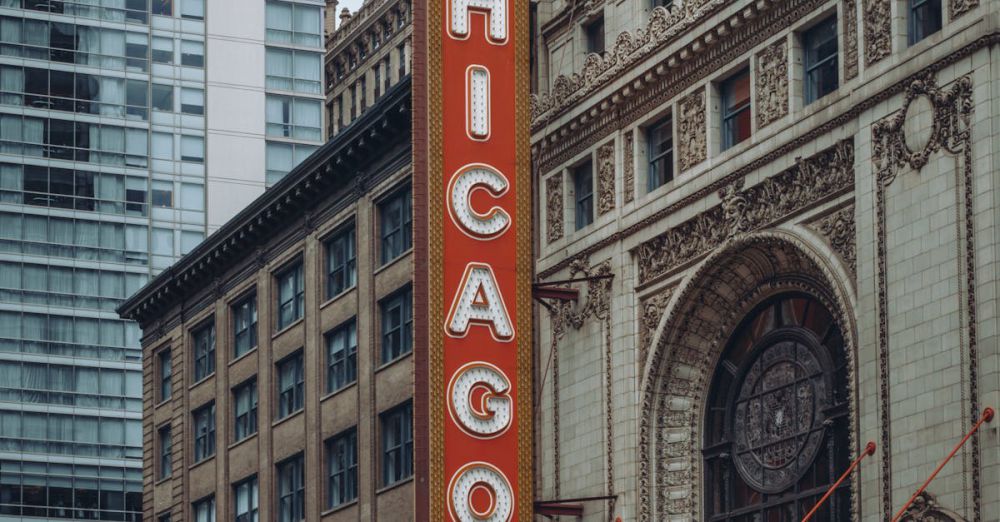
column 472, row 226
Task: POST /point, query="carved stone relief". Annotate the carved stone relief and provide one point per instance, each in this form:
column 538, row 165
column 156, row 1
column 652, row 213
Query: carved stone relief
column 850, row 39
column 554, row 208
column 878, row 30
column 652, row 309
column 958, row 8
column 839, row 230
column 691, row 132
column 628, row 167
column 606, row 178
column 895, row 148
column 772, row 83
column 926, row 509
column 825, row 174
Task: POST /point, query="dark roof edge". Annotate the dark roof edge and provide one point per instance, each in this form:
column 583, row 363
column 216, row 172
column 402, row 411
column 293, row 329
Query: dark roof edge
column 297, row 189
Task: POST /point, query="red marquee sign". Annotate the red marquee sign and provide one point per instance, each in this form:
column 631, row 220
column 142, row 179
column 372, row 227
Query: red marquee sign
column 473, row 261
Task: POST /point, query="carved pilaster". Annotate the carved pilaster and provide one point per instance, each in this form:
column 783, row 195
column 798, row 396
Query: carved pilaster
column 691, row 133
column 839, row 230
column 554, row 208
column 850, row 39
column 628, row 167
column 606, row 178
column 772, row 83
column 652, row 310
column 878, row 30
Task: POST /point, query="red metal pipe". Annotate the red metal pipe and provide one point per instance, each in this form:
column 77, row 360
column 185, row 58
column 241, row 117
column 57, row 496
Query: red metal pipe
column 987, row 417
column 869, row 449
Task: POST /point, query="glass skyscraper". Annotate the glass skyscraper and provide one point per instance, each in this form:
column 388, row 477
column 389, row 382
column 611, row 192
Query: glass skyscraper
column 123, row 124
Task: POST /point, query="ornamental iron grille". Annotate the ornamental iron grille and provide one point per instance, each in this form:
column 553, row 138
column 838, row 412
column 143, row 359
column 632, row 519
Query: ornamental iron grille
column 777, row 420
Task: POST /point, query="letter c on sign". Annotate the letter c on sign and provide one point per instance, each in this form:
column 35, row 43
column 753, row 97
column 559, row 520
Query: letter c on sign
column 480, row 492
column 469, row 178
column 479, row 400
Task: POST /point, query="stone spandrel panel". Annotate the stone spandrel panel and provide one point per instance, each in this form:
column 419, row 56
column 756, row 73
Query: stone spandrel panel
column 878, row 30
column 772, row 83
column 554, row 208
column 691, row 132
column 606, row 178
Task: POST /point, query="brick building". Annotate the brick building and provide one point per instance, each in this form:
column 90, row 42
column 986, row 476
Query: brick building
column 277, row 377
column 787, row 216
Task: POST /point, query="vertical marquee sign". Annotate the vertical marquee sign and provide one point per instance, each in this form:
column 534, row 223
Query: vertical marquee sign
column 472, row 217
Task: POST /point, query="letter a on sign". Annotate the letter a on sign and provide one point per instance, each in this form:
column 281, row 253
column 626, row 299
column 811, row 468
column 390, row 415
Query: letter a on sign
column 478, row 301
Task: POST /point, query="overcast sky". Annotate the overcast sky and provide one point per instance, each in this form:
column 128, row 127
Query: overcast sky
column 352, row 5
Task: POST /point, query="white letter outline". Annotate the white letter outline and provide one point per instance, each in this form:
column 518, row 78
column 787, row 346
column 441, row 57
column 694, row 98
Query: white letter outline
column 473, row 304
column 470, row 222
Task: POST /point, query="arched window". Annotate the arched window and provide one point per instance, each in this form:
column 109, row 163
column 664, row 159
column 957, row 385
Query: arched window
column 776, row 428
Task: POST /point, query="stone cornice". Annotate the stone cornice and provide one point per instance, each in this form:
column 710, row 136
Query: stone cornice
column 331, row 169
column 362, row 19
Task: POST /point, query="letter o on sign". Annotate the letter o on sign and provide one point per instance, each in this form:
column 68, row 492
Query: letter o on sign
column 479, row 400
column 479, row 492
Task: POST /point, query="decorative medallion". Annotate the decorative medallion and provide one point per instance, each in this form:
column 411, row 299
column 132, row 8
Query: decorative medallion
column 777, row 420
column 926, row 509
column 554, row 208
column 772, row 83
column 691, row 134
column 606, row 178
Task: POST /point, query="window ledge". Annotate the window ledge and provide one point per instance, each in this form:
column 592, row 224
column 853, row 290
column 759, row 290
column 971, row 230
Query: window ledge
column 202, row 461
column 250, row 437
column 163, row 480
column 199, row 382
column 394, row 361
column 394, row 485
column 292, row 415
column 293, row 324
column 343, row 506
column 337, row 297
column 340, row 390
column 244, row 356
column 402, row 255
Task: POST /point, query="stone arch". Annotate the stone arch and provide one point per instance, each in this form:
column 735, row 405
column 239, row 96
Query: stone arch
column 706, row 308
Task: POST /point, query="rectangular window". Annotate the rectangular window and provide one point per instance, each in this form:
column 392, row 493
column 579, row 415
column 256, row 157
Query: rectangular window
column 204, row 510
column 291, row 490
column 397, row 444
column 163, row 49
column 165, row 517
column 395, row 223
column 595, row 36
column 204, row 432
column 397, row 325
column 291, row 296
column 192, row 53
column 925, row 19
column 735, row 109
column 245, row 410
column 401, row 53
column 294, row 24
column 820, row 48
column 163, row 7
column 290, row 390
column 193, row 9
column 166, row 374
column 583, row 188
column 204, row 351
column 193, row 149
column 192, row 101
column 660, row 146
column 342, row 463
column 166, row 452
column 244, row 325
column 293, row 117
column 162, row 97
column 342, row 356
column 341, row 262
column 280, row 158
column 292, row 70
column 245, row 500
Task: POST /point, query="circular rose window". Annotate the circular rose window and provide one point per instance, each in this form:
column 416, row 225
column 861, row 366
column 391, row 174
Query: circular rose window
column 778, row 413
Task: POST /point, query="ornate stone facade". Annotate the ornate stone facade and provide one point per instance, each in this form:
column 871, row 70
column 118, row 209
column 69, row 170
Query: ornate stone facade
column 876, row 203
column 554, row 208
column 692, row 147
column 606, row 178
column 772, row 83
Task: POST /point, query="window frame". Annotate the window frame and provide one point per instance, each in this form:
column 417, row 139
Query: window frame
column 296, row 495
column 297, row 300
column 295, row 392
column 396, row 241
column 594, row 39
column 165, row 374
column 245, row 424
column 342, row 479
column 252, row 513
column 203, row 441
column 583, row 204
column 205, row 353
column 246, row 305
column 209, row 503
column 342, row 363
column 914, row 37
column 345, row 237
column 653, row 183
column 731, row 114
column 404, row 297
column 812, row 68
column 165, row 444
column 404, row 447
